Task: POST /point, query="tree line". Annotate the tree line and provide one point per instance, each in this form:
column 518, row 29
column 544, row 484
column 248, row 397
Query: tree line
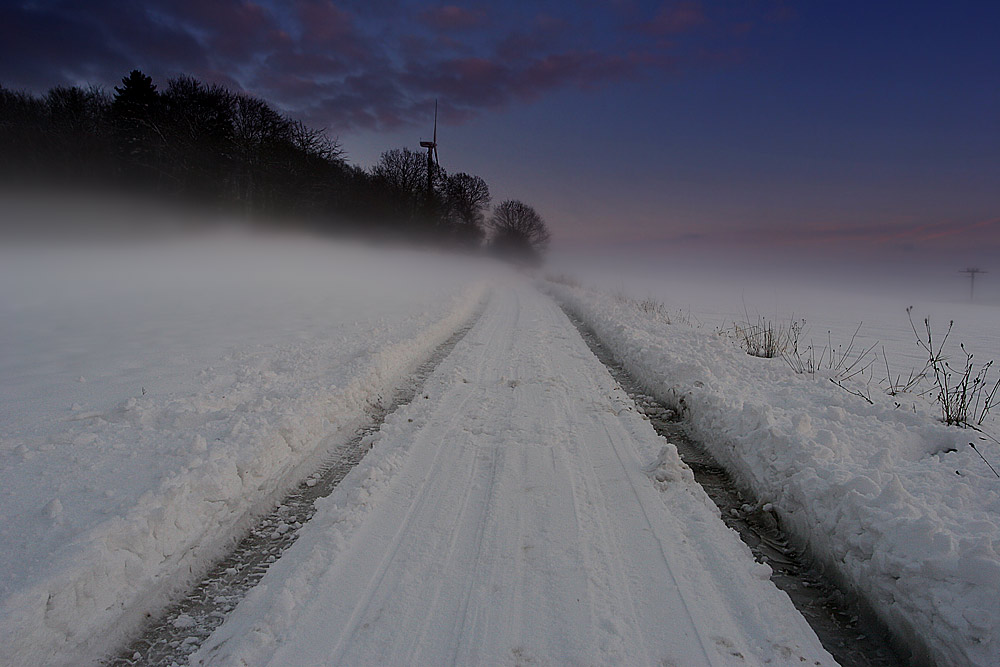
column 233, row 151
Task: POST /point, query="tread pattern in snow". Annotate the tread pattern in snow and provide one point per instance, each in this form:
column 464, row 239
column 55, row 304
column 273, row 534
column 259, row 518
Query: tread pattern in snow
column 181, row 629
column 851, row 633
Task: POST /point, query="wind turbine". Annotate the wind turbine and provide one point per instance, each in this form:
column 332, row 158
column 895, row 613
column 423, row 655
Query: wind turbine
column 432, row 154
column 972, row 273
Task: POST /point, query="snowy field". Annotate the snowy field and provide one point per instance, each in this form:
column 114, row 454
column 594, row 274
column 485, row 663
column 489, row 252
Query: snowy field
column 153, row 394
column 833, row 301
column 894, row 502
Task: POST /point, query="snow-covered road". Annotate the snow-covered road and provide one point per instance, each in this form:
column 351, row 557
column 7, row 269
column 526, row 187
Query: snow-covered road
column 518, row 512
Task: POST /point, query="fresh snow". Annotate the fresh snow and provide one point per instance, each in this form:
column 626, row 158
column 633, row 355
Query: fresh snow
column 520, row 511
column 154, row 395
column 896, row 504
column 712, row 295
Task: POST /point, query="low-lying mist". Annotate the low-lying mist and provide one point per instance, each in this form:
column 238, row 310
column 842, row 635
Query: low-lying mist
column 833, row 297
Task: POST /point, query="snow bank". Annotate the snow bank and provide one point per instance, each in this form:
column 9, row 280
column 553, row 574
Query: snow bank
column 897, row 504
column 154, row 397
column 507, row 517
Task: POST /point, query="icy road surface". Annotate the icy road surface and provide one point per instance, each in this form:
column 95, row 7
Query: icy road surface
column 520, row 512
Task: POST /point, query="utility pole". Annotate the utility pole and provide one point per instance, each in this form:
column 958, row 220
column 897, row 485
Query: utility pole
column 972, row 280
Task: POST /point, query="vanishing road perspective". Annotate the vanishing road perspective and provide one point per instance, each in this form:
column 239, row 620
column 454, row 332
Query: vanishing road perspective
column 680, row 353
column 518, row 511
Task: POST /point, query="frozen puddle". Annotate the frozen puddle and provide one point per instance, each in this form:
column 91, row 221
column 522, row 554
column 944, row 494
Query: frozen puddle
column 181, row 629
column 850, row 633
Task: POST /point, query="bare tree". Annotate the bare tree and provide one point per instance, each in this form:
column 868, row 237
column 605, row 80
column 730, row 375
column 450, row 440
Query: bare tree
column 518, row 230
column 403, row 173
column 316, row 144
column 256, row 128
column 78, row 132
column 202, row 142
column 23, row 133
column 198, row 130
column 467, row 198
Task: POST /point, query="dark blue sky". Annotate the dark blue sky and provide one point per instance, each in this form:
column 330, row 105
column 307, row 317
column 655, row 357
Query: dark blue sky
column 839, row 129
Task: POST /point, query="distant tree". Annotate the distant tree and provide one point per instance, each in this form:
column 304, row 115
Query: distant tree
column 136, row 99
column 78, row 133
column 203, row 142
column 402, row 174
column 136, row 113
column 316, row 144
column 197, row 128
column 518, row 231
column 315, row 167
column 257, row 129
column 467, row 198
column 23, row 135
column 137, row 95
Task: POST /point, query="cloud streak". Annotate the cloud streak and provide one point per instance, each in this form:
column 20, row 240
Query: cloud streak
column 451, row 17
column 674, row 18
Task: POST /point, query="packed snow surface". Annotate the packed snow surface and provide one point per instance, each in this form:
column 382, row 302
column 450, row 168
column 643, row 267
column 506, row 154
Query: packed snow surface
column 519, row 512
column 154, row 395
column 897, row 504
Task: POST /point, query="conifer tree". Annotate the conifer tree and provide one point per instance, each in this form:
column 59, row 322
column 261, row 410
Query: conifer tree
column 136, row 111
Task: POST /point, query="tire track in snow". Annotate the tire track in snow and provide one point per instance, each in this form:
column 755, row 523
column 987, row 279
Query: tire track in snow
column 426, row 495
column 667, row 561
column 491, row 470
column 184, row 625
column 852, row 634
column 508, row 527
column 453, row 552
column 604, row 556
column 467, row 597
column 616, row 557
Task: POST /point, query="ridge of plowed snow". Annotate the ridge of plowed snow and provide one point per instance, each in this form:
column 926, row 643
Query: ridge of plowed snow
column 896, row 503
column 156, row 395
column 520, row 512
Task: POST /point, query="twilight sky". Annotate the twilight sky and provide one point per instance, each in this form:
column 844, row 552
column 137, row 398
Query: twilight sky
column 832, row 129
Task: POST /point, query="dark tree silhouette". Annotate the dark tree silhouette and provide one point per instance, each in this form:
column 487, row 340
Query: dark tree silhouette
column 78, row 133
column 403, row 175
column 136, row 111
column 136, row 95
column 23, row 124
column 518, row 231
column 200, row 142
column 467, row 198
column 256, row 128
column 198, row 136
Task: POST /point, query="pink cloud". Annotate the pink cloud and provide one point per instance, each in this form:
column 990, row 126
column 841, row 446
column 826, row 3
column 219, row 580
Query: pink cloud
column 676, row 17
column 473, row 83
column 874, row 235
column 323, row 22
column 351, row 63
column 585, row 69
column 452, row 17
